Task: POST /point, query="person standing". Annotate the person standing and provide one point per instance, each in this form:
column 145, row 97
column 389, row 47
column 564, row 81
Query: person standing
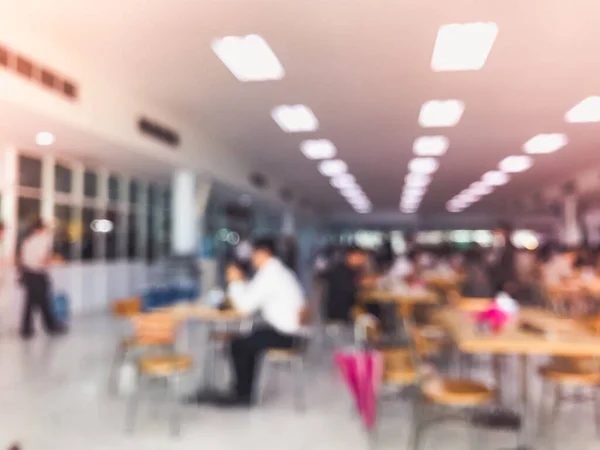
column 34, row 256
column 275, row 294
column 504, row 267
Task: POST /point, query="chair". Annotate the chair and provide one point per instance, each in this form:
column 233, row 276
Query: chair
column 578, row 373
column 158, row 329
column 125, row 309
column 462, row 395
column 293, row 358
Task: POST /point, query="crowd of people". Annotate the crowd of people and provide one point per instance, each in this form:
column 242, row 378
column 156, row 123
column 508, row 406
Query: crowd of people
column 484, row 271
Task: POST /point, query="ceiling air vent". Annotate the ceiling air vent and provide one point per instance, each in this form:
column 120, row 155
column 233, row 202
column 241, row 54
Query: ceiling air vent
column 258, row 180
column 158, row 132
column 37, row 73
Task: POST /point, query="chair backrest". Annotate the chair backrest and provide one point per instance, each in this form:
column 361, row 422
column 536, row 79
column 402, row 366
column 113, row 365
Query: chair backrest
column 155, row 328
column 417, row 345
column 127, row 307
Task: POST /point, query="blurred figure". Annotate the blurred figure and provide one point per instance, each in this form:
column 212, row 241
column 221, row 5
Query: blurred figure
column 477, row 280
column 343, row 283
column 385, row 254
column 503, row 270
column 35, row 255
column 405, row 269
column 242, row 252
column 274, row 293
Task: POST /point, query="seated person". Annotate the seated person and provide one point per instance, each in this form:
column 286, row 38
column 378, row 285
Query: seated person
column 274, row 293
column 477, row 281
column 343, row 281
column 405, row 269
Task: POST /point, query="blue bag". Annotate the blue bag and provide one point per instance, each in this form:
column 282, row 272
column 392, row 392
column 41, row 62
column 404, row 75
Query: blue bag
column 61, row 307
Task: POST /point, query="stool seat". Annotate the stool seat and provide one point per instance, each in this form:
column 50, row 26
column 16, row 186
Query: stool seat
column 163, row 365
column 573, row 375
column 457, row 392
column 283, row 353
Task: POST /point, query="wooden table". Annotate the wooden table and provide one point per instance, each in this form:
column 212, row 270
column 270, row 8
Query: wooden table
column 563, row 337
column 190, row 311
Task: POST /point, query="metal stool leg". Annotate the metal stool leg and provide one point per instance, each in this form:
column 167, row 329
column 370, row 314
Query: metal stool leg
column 546, row 391
column 597, row 409
column 297, row 365
column 133, row 403
column 118, row 361
column 262, row 380
column 173, row 385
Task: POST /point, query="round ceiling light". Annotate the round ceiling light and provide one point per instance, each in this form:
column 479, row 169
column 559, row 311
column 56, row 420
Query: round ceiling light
column 332, row 167
column 425, row 166
column 44, row 138
column 515, row 163
column 495, row 178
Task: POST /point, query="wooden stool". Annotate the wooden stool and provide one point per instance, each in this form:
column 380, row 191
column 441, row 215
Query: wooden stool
column 559, row 374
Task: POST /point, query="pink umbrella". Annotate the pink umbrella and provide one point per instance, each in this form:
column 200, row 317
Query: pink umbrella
column 362, row 372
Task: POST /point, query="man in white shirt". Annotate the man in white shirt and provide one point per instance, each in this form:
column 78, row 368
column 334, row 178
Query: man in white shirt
column 35, row 254
column 274, row 293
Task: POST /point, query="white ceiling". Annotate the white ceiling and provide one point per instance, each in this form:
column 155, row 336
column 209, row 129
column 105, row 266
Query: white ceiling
column 363, row 66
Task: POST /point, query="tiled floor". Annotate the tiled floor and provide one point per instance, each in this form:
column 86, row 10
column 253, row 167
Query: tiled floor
column 52, row 396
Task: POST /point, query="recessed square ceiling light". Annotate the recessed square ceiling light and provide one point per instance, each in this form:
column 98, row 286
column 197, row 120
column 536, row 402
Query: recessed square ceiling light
column 413, row 191
column 351, row 191
column 495, row 178
column 295, row 118
column 430, row 146
column 463, row 46
column 249, row 58
column 545, row 143
column 588, row 110
column 417, row 180
column 425, row 166
column 441, row 113
column 318, row 149
column 515, row 163
column 484, row 189
column 342, row 181
column 44, row 138
column 332, row 167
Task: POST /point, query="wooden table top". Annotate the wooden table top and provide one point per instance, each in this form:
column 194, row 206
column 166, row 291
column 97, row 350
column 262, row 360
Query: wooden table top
column 563, row 337
column 183, row 311
column 383, row 296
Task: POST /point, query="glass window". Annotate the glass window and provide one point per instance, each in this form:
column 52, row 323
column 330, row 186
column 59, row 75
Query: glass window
column 166, row 225
column 90, row 184
column 28, row 209
column 113, row 189
column 88, row 237
column 151, row 237
column 30, row 172
column 132, row 236
column 109, row 230
column 65, row 233
column 133, row 192
column 63, row 179
column 152, row 197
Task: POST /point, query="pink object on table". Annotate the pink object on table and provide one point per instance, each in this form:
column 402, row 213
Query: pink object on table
column 495, row 317
column 362, row 372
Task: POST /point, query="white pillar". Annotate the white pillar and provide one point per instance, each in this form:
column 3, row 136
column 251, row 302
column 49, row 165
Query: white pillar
column 184, row 215
column 571, row 231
